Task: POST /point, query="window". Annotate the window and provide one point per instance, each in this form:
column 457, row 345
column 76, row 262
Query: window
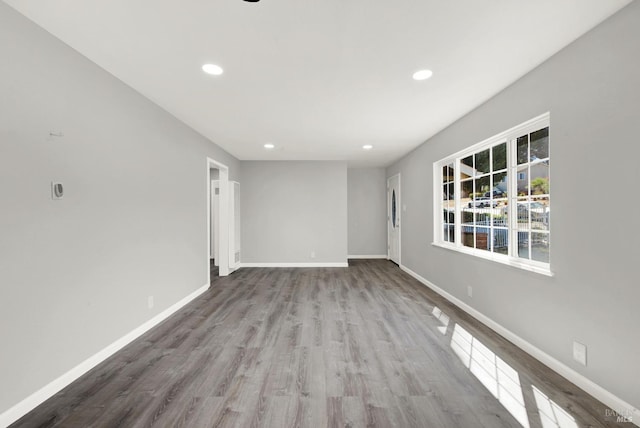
column 393, row 209
column 492, row 200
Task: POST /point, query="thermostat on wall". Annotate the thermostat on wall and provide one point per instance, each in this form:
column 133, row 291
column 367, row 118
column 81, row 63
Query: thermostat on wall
column 57, row 190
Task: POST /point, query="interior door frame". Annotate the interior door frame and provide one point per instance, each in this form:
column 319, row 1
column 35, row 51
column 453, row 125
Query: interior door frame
column 398, row 216
column 215, row 202
column 233, row 225
column 223, row 217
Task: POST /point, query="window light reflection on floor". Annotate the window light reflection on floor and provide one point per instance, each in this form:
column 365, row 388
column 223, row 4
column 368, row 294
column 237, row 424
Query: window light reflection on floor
column 552, row 415
column 443, row 318
column 496, row 375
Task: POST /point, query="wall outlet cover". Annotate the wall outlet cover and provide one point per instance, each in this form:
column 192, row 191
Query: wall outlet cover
column 580, row 353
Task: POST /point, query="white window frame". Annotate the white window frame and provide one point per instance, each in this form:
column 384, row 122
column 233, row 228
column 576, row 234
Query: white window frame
column 510, row 136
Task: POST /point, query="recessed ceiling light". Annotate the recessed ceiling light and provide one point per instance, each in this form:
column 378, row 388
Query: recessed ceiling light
column 422, row 74
column 216, row 70
column 367, row 147
column 269, row 146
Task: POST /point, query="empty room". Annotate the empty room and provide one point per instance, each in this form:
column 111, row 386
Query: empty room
column 279, row 213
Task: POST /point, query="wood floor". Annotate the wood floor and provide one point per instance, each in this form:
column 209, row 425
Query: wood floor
column 364, row 346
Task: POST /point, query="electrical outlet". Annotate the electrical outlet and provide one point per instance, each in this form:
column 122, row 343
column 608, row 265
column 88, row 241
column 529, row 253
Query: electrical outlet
column 470, row 291
column 150, row 302
column 313, row 254
column 580, row 353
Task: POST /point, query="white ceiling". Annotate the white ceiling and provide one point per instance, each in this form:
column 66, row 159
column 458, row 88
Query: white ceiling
column 318, row 78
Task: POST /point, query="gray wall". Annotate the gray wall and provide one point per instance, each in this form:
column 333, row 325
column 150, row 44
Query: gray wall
column 592, row 89
column 290, row 209
column 75, row 273
column 367, row 208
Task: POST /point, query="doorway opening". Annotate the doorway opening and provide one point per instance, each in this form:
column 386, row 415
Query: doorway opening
column 217, row 218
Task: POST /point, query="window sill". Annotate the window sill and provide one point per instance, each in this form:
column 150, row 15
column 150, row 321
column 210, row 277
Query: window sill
column 499, row 258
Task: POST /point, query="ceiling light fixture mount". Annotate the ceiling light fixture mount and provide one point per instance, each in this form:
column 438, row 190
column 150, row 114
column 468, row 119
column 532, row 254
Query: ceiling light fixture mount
column 212, row 69
column 422, row 74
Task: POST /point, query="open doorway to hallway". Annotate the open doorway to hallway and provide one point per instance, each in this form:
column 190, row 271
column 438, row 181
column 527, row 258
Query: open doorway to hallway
column 223, row 220
column 217, row 218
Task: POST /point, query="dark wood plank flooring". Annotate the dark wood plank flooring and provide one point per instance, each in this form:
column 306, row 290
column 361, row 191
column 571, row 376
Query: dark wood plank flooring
column 338, row 347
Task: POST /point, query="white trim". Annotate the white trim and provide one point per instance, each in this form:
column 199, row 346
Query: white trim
column 507, row 137
column 368, row 256
column 294, row 265
column 234, row 241
column 530, row 265
column 437, row 199
column 525, row 127
column 598, row 392
column 32, row 401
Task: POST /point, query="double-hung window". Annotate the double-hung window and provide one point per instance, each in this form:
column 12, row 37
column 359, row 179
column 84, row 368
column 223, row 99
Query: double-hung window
column 492, row 199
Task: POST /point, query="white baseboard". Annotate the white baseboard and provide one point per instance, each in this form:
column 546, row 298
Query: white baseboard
column 374, row 256
column 615, row 403
column 295, row 265
column 25, row 406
